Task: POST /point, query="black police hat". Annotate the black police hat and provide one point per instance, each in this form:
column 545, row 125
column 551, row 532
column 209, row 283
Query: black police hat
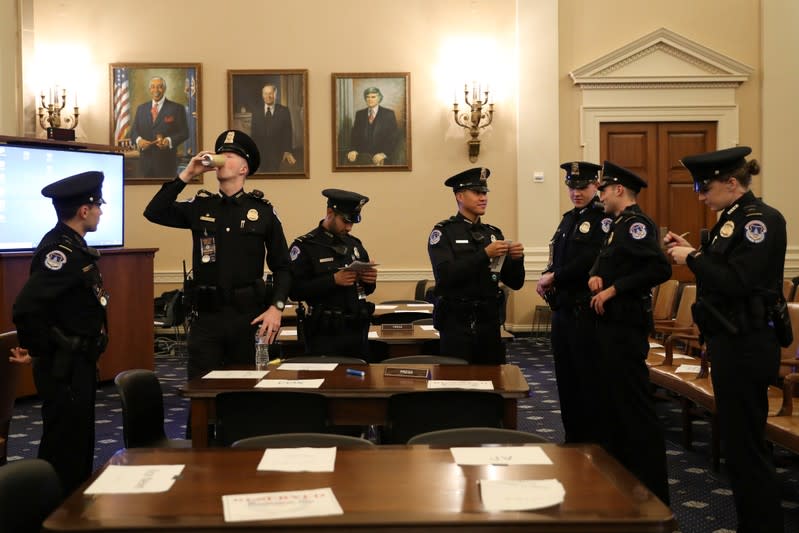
column 715, row 165
column 579, row 174
column 474, row 179
column 240, row 143
column 348, row 204
column 614, row 174
column 77, row 190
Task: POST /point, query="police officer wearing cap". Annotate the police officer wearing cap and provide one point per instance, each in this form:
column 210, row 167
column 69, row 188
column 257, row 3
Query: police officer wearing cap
column 629, row 265
column 739, row 271
column 564, row 285
column 469, row 259
column 232, row 231
column 60, row 315
column 333, row 274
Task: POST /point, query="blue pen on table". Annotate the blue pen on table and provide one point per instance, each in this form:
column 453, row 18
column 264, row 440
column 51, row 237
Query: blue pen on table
column 354, row 372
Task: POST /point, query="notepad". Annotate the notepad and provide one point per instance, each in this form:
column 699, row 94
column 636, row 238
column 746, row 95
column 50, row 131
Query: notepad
column 236, row 374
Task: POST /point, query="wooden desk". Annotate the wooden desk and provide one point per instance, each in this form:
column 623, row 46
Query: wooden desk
column 389, row 488
column 354, row 400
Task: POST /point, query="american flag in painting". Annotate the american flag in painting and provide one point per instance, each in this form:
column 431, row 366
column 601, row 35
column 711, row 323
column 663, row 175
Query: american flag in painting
column 121, row 105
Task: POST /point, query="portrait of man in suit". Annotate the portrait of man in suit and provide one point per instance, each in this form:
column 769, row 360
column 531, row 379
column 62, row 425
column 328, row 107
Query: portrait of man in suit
column 272, row 131
column 374, row 133
column 159, row 128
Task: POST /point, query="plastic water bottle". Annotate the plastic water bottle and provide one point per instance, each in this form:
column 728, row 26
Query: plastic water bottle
column 261, row 352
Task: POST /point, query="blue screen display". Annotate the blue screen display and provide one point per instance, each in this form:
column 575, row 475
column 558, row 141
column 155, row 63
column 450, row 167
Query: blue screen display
column 26, row 215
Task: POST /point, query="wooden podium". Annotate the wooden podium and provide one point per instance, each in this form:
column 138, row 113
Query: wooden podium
column 128, row 277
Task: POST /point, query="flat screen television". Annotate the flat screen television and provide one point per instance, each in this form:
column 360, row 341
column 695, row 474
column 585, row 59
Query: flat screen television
column 26, row 215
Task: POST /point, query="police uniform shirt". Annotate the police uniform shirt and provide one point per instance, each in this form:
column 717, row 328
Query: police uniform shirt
column 745, row 252
column 575, row 245
column 230, row 236
column 65, row 289
column 460, row 264
column 631, row 258
column 315, row 258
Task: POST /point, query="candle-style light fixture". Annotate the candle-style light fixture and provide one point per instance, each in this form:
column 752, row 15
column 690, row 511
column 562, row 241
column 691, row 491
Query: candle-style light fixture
column 476, row 117
column 59, row 125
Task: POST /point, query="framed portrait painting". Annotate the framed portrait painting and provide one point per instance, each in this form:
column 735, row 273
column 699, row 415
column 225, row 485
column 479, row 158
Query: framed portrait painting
column 371, row 121
column 271, row 106
column 155, row 117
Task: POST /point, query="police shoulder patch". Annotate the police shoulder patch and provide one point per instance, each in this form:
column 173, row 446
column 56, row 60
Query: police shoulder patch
column 294, row 253
column 638, row 230
column 606, row 222
column 202, row 193
column 55, row 260
column 435, row 236
column 755, row 231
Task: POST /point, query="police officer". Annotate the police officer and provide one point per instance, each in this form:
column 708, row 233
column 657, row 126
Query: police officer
column 231, row 231
column 629, row 265
column 60, row 315
column 564, row 284
column 739, row 273
column 469, row 259
column 338, row 317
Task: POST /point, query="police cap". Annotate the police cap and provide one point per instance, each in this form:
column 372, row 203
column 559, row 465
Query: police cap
column 614, row 174
column 346, row 203
column 715, row 165
column 474, row 179
column 240, row 143
column 76, row 190
column 580, row 174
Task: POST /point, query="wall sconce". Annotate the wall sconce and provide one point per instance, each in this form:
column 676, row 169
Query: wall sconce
column 476, row 118
column 52, row 119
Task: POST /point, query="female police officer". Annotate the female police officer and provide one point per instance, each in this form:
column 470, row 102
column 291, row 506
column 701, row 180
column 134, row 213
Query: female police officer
column 739, row 274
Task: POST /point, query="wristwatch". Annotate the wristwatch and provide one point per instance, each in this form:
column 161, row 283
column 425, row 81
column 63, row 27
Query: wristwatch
column 280, row 304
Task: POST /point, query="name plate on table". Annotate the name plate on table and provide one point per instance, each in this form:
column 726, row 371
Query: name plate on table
column 397, row 372
column 396, row 328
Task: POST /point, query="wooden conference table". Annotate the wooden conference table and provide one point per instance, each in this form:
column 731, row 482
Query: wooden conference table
column 388, row 488
column 354, row 400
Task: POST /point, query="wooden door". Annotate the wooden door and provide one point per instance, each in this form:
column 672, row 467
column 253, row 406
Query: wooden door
column 653, row 151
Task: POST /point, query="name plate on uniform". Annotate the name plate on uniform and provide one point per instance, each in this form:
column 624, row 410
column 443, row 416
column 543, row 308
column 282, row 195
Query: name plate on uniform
column 396, row 328
column 397, row 372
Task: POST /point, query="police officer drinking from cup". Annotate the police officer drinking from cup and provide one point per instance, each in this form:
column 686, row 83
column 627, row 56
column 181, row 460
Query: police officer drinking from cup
column 332, row 273
column 564, row 285
column 469, row 259
column 232, row 231
column 60, row 315
column 739, row 273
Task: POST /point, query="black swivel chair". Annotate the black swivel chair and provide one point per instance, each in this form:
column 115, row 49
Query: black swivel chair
column 476, row 437
column 29, row 491
column 295, row 440
column 426, row 360
column 340, row 359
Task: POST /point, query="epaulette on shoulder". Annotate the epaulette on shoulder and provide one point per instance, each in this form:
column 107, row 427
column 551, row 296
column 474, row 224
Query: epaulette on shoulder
column 492, row 227
column 258, row 195
column 302, row 238
column 202, row 193
column 752, row 210
column 446, row 221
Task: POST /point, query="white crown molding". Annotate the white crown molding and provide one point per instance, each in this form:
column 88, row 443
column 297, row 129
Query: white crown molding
column 662, row 59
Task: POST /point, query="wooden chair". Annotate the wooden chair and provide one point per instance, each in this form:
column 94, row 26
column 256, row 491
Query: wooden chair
column 683, row 321
column 783, row 427
column 787, row 289
column 300, row 440
column 9, row 374
column 476, row 437
column 664, row 298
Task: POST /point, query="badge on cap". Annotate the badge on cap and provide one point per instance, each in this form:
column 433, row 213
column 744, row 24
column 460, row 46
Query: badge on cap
column 638, row 231
column 606, row 222
column 727, row 229
column 755, row 231
column 294, row 253
column 435, row 236
column 55, row 260
column 575, row 168
column 585, row 227
column 229, row 137
column 483, row 174
column 252, row 215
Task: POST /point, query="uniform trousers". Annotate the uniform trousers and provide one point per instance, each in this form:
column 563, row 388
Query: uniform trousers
column 219, row 338
column 469, row 335
column 576, row 366
column 67, row 418
column 632, row 431
column 742, row 368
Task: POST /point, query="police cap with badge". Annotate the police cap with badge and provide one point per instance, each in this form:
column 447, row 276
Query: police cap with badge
column 240, row 143
column 75, row 191
column 346, row 203
column 580, row 174
column 473, row 179
column 717, row 165
column 615, row 175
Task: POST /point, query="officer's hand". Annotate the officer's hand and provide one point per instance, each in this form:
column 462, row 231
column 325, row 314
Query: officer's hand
column 288, row 158
column 345, row 278
column 496, row 248
column 672, row 239
column 352, row 156
column 595, row 284
column 20, row 356
column 195, row 167
column 516, row 250
column 378, row 159
column 369, row 275
column 599, row 299
column 679, row 253
column 545, row 283
column 270, row 323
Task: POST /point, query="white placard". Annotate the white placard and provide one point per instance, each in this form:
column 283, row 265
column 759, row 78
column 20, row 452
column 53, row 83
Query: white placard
column 298, row 459
column 676, row 355
column 278, row 505
column 688, row 369
column 460, row 384
column 428, row 327
column 373, row 335
column 520, row 494
column 287, row 332
column 135, row 479
column 500, row 455
column 324, row 367
column 289, row 383
column 236, row 374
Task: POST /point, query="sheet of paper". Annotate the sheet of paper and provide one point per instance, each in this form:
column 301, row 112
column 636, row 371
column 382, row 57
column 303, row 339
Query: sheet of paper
column 236, row 374
column 500, row 455
column 428, row 327
column 308, row 366
column 359, row 266
column 277, row 505
column 421, row 306
column 373, row 335
column 655, row 345
column 138, row 479
column 520, row 494
column 385, row 307
column 460, row 384
column 287, row 332
column 676, row 355
column 298, row 459
column 688, row 369
column 289, row 383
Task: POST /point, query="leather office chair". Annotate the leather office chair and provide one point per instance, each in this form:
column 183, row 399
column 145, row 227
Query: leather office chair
column 9, row 374
column 29, row 491
column 143, row 411
column 296, row 440
column 412, row 413
column 245, row 414
column 426, row 360
column 476, row 437
column 340, row 359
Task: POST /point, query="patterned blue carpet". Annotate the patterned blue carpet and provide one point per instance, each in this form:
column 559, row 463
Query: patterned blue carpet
column 701, row 499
